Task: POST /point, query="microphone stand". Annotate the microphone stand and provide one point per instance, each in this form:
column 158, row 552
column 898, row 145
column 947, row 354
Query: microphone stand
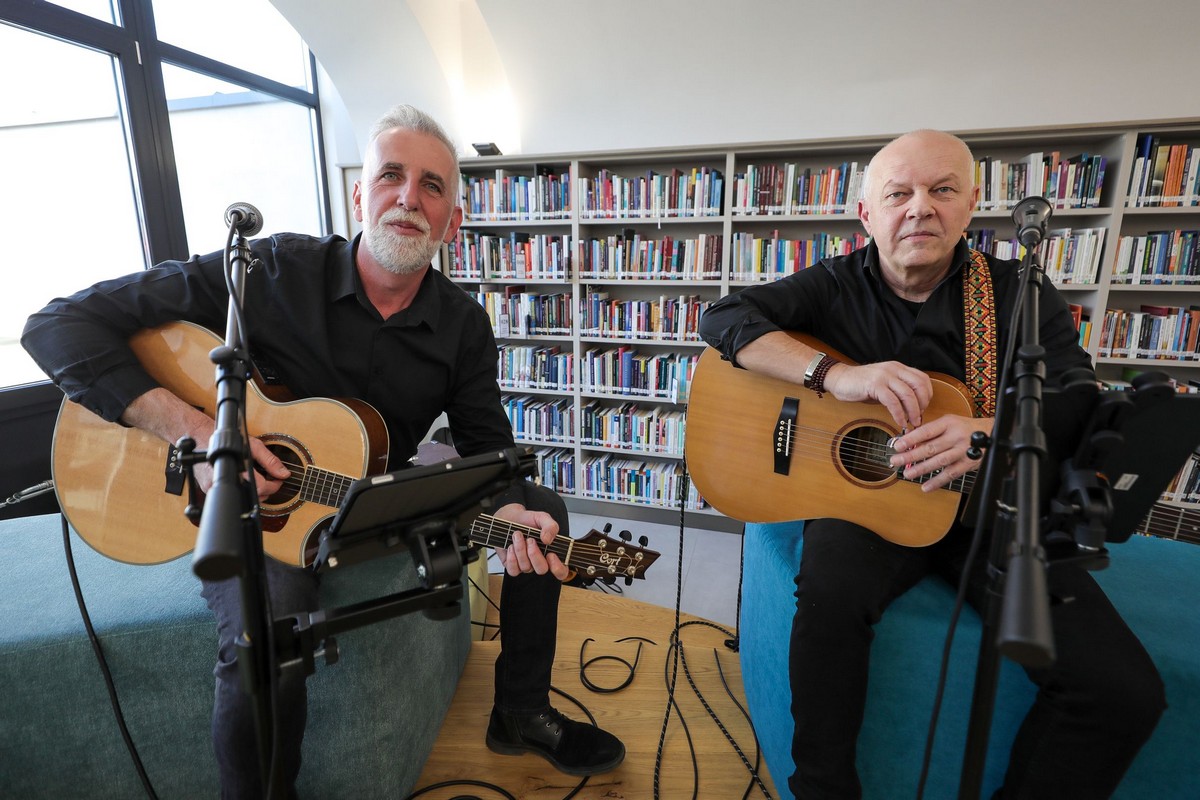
column 229, row 541
column 1016, row 620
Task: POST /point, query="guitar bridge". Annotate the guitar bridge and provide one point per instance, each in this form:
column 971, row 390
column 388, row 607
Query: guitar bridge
column 785, row 434
column 174, row 473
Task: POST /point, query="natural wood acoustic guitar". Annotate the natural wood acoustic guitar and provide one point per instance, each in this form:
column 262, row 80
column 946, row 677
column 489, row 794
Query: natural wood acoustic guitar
column 124, row 490
column 761, row 449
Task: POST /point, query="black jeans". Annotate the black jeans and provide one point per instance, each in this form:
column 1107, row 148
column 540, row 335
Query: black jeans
column 1095, row 708
column 528, row 626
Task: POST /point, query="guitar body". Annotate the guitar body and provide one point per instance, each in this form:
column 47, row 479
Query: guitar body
column 831, row 459
column 121, row 489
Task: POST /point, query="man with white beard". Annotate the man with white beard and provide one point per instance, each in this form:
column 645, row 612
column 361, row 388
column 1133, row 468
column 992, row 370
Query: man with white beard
column 367, row 319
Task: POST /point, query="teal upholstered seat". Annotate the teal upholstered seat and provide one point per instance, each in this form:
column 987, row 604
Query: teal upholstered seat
column 1154, row 582
column 373, row 716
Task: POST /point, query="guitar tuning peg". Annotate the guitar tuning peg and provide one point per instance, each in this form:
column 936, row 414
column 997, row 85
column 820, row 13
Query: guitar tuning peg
column 625, row 536
column 643, row 541
column 608, row 527
column 629, row 580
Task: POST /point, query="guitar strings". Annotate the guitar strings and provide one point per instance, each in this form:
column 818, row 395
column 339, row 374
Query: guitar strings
column 815, row 443
column 806, row 442
column 588, row 554
column 297, row 479
column 1168, row 522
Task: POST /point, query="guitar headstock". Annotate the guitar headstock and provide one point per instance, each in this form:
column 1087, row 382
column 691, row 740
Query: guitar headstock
column 598, row 556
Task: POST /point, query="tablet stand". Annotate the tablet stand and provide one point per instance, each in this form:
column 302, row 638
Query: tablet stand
column 422, row 510
column 1126, row 447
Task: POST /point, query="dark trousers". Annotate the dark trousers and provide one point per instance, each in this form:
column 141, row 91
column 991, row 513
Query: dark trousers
column 1095, row 708
column 528, row 625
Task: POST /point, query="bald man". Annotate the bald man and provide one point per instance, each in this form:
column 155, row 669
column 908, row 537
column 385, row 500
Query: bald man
column 913, row 301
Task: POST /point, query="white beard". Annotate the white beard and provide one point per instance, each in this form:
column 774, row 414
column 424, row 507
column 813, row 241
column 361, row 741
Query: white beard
column 400, row 255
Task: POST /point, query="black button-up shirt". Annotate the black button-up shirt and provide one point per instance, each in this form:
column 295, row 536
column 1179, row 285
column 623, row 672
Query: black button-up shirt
column 308, row 317
column 844, row 302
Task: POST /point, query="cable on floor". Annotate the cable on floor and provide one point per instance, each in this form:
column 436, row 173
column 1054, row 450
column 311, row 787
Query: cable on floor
column 113, row 700
column 677, row 644
column 678, row 658
column 583, row 665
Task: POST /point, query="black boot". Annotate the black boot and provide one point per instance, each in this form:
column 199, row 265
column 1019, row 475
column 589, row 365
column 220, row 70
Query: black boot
column 575, row 748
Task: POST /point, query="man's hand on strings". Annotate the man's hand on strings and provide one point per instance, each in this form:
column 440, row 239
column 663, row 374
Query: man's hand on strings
column 939, row 445
column 524, row 554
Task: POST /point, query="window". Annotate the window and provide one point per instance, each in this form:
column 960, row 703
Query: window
column 126, row 151
column 258, row 145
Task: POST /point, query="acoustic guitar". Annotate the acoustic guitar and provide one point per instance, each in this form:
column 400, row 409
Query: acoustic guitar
column 124, row 490
column 761, row 449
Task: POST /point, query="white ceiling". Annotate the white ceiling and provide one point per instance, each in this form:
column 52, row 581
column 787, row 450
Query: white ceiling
column 540, row 76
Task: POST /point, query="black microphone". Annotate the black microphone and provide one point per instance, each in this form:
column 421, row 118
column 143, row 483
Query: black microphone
column 244, row 218
column 1031, row 216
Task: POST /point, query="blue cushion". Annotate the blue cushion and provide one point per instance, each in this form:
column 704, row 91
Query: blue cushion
column 1154, row 582
column 373, row 716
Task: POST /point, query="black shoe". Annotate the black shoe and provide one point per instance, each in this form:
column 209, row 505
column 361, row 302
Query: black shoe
column 575, row 748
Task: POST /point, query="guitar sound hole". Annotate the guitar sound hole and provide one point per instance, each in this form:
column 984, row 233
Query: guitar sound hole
column 864, row 452
column 291, row 486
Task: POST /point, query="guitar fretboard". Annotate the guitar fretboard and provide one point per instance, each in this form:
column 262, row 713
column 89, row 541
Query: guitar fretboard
column 324, row 487
column 1172, row 522
column 489, row 531
column 1164, row 520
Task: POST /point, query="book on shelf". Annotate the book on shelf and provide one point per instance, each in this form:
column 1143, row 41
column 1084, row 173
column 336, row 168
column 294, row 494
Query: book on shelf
column 684, row 193
column 1076, row 314
column 1173, row 180
column 1158, row 176
column 775, row 189
column 1152, row 331
column 1073, row 182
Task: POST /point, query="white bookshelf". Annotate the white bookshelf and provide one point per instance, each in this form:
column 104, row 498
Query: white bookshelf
column 648, row 224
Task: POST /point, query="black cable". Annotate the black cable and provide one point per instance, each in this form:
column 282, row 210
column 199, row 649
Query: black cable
column 670, row 681
column 674, row 676
column 490, row 602
column 944, row 668
column 734, row 644
column 113, row 700
column 583, row 665
column 461, row 782
column 754, row 776
column 708, row 708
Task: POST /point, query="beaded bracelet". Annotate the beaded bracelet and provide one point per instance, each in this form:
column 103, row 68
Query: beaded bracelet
column 817, row 381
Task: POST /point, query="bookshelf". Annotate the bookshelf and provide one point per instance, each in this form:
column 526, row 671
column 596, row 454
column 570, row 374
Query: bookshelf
column 596, row 266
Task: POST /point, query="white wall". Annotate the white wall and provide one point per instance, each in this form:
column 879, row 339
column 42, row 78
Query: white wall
column 541, row 76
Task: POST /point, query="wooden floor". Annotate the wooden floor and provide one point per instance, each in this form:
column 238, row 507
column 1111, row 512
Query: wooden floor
column 635, row 713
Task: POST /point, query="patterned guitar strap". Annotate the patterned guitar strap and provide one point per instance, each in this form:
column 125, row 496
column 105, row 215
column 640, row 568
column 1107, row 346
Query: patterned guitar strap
column 979, row 328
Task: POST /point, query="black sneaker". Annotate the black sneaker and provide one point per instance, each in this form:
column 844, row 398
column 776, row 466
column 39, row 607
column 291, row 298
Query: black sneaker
column 575, row 748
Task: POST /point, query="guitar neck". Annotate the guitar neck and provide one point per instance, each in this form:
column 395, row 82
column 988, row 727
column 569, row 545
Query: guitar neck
column 1164, row 520
column 592, row 556
column 1172, row 522
column 490, row 531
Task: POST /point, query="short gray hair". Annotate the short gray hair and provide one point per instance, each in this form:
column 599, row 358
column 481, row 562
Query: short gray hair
column 411, row 118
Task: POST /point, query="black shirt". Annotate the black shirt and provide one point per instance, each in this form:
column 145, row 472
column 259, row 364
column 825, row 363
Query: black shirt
column 844, row 302
column 308, row 316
